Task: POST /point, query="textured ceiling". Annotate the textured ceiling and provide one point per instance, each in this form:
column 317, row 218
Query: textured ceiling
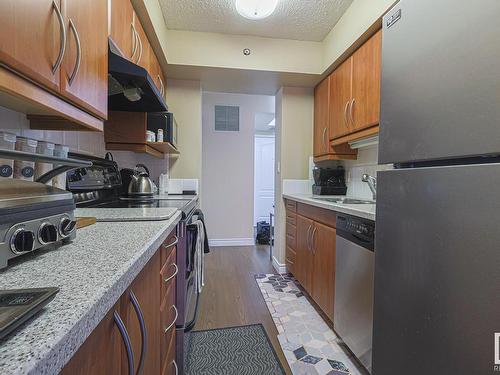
column 293, row 19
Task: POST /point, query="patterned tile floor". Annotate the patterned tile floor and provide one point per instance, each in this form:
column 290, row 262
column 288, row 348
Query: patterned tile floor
column 309, row 345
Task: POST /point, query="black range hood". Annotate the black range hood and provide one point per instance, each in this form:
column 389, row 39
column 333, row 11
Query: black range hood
column 130, row 88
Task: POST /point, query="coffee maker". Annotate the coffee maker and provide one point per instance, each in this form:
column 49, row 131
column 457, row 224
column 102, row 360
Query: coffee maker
column 329, row 181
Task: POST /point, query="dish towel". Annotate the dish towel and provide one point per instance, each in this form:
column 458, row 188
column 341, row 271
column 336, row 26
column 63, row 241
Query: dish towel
column 199, row 255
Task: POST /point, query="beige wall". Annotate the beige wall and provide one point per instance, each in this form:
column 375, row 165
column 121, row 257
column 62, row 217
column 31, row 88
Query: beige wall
column 226, row 51
column 294, row 119
column 199, row 49
column 359, row 17
column 184, row 100
column 228, row 168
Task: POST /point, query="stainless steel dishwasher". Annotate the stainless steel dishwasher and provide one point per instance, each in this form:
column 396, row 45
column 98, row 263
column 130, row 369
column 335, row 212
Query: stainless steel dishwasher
column 353, row 309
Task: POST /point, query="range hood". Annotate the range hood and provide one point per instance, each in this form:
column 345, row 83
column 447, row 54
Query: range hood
column 130, row 88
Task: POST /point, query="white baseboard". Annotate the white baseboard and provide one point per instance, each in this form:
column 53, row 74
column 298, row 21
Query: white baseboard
column 232, row 242
column 279, row 267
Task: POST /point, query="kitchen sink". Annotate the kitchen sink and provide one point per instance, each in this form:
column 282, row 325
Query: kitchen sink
column 344, row 200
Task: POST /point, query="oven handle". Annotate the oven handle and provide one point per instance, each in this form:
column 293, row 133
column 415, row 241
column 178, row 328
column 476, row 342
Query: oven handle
column 190, row 325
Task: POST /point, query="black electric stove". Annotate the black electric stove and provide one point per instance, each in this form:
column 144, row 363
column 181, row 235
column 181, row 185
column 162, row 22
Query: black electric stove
column 100, row 186
column 185, row 205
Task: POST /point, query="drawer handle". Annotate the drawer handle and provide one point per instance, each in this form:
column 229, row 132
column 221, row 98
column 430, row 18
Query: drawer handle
column 62, row 48
column 144, row 332
column 126, row 341
column 176, row 368
column 175, row 319
column 78, row 53
column 174, row 274
column 176, row 241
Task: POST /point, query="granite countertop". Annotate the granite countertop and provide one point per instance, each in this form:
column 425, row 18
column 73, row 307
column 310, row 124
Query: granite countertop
column 127, row 214
column 92, row 273
column 366, row 211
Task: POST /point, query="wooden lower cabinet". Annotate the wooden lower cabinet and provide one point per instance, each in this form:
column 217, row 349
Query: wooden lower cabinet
column 145, row 309
column 323, row 284
column 101, row 352
column 304, row 257
column 145, row 345
column 312, row 261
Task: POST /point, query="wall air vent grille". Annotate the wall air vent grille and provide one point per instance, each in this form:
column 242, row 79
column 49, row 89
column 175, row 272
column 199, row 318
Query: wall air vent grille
column 227, row 118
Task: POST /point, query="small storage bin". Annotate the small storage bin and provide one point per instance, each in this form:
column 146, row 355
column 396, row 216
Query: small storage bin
column 25, row 170
column 59, row 181
column 43, row 148
column 7, row 142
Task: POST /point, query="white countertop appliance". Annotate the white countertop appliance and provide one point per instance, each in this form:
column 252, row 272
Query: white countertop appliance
column 33, row 216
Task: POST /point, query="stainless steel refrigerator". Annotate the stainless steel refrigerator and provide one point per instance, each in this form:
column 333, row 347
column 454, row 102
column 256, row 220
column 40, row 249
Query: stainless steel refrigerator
column 437, row 259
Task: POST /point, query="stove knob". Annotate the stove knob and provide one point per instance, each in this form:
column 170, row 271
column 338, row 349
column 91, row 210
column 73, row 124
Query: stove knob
column 67, row 227
column 22, row 241
column 47, row 233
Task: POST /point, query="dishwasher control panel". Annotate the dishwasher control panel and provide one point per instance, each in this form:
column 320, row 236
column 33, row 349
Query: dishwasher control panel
column 356, row 229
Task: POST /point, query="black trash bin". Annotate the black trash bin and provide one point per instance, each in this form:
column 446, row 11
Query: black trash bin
column 263, row 233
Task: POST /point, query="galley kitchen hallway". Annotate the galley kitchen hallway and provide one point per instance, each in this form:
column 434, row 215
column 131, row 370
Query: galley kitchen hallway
column 231, row 296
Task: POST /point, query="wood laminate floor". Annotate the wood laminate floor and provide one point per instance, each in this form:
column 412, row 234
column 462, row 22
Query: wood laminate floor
column 231, row 296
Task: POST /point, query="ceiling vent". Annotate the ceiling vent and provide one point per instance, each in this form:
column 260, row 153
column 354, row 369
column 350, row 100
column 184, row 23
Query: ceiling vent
column 227, row 118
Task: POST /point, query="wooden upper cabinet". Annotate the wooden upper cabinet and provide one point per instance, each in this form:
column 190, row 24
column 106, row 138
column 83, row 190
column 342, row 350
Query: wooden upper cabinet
column 304, row 257
column 156, row 73
column 321, row 121
column 340, row 97
column 31, row 39
column 122, row 27
column 84, row 71
column 144, row 53
column 101, row 353
column 355, row 92
column 146, row 289
column 366, row 71
column 323, row 284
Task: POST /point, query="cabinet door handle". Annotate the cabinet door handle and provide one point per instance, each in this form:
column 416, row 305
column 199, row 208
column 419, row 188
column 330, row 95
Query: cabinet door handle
column 62, row 48
column 134, row 41
column 173, row 322
column 78, row 52
column 351, row 109
column 126, row 341
column 313, row 240
column 173, row 275
column 176, row 368
column 309, row 237
column 172, row 244
column 161, row 85
column 144, row 332
column 324, row 140
column 345, row 113
column 140, row 48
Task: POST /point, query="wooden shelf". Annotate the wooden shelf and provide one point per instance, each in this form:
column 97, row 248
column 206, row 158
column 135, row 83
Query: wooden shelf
column 150, row 148
column 164, row 147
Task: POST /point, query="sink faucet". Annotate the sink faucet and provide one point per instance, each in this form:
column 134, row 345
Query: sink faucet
column 372, row 183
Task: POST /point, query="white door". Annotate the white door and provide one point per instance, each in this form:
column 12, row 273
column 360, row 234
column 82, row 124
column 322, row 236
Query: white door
column 264, row 178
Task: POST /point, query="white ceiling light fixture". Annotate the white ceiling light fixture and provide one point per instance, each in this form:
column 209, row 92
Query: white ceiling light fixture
column 256, row 9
